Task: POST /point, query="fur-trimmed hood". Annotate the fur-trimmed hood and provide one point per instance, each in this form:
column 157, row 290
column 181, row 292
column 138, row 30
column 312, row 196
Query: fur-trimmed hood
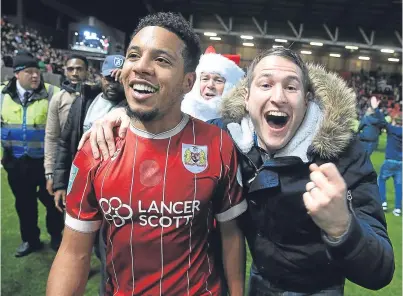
column 336, row 102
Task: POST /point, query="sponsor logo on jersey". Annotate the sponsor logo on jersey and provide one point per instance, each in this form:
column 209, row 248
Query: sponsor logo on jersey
column 115, row 210
column 167, row 214
column 73, row 174
column 194, row 157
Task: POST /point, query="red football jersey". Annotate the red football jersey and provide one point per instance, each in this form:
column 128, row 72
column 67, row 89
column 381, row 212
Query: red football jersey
column 159, row 195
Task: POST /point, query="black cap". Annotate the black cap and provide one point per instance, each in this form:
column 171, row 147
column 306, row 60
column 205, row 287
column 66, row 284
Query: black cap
column 23, row 60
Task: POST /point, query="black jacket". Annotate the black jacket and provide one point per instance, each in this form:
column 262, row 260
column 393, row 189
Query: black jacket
column 71, row 135
column 287, row 247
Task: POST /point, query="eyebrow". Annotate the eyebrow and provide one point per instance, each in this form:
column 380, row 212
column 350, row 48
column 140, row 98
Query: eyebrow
column 154, row 51
column 289, row 77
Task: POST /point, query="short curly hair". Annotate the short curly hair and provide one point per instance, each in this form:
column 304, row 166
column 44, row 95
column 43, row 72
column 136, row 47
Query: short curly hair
column 176, row 24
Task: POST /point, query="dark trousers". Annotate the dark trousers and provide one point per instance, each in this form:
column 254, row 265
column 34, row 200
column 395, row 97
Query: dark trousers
column 26, row 177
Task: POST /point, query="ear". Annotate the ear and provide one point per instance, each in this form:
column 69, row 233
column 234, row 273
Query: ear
column 246, row 98
column 308, row 96
column 188, row 81
column 16, row 75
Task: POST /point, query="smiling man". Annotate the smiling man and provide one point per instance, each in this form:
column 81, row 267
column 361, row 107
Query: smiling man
column 314, row 214
column 159, row 235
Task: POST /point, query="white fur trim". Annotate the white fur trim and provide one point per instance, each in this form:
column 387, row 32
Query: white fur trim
column 242, row 134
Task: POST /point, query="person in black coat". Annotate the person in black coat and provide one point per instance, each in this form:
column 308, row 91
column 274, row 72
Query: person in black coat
column 314, row 213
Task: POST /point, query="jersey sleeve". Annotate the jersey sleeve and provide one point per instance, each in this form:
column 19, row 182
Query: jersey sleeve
column 229, row 203
column 82, row 211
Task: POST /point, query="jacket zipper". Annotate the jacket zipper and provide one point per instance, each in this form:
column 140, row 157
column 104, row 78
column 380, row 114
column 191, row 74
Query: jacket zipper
column 350, row 200
column 250, row 161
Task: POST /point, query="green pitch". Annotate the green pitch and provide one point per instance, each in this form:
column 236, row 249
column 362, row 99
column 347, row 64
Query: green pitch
column 28, row 275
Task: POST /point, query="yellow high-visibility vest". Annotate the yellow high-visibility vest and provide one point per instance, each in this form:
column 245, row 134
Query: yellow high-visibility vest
column 23, row 127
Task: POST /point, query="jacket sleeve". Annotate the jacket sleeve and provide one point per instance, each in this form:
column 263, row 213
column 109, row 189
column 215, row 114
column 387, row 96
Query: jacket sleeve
column 381, row 121
column 64, row 154
column 365, row 253
column 52, row 133
column 361, row 125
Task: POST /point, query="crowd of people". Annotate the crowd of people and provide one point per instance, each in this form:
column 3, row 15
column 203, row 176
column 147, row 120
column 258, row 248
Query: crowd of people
column 267, row 155
column 15, row 38
column 387, row 88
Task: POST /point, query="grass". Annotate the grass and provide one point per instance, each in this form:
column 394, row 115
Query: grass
column 27, row 276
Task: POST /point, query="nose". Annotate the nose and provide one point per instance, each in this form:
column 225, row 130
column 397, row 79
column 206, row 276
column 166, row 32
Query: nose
column 277, row 94
column 143, row 66
column 75, row 71
column 35, row 75
column 211, row 83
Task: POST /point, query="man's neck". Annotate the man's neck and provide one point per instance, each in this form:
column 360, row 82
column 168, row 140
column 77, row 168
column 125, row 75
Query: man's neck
column 159, row 125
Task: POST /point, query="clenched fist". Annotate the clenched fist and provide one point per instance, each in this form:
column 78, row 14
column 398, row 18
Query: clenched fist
column 326, row 199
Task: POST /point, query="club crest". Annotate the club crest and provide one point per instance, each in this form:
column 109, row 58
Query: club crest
column 194, row 158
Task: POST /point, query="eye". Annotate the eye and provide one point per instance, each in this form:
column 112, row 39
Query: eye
column 163, row 61
column 266, row 85
column 291, row 88
column 132, row 55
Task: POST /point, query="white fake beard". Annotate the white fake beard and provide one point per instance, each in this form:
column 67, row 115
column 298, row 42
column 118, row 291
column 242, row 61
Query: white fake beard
column 200, row 108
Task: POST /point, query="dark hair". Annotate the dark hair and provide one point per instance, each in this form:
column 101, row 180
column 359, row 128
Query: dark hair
column 176, row 24
column 285, row 53
column 79, row 57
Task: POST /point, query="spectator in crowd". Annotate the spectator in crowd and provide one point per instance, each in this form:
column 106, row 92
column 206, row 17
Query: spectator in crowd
column 392, row 166
column 216, row 75
column 314, row 216
column 88, row 107
column 14, row 38
column 84, row 111
column 76, row 73
column 24, row 109
column 369, row 130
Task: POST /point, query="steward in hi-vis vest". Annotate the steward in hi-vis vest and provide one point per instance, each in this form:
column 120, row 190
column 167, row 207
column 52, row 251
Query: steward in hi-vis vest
column 24, row 104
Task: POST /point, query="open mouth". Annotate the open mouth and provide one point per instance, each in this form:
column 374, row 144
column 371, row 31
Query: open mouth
column 144, row 89
column 276, row 119
column 209, row 95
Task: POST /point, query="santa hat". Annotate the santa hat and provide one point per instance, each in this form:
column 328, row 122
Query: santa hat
column 225, row 65
column 236, row 58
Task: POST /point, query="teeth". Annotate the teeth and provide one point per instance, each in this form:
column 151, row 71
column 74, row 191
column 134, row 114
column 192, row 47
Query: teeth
column 143, row 87
column 277, row 113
